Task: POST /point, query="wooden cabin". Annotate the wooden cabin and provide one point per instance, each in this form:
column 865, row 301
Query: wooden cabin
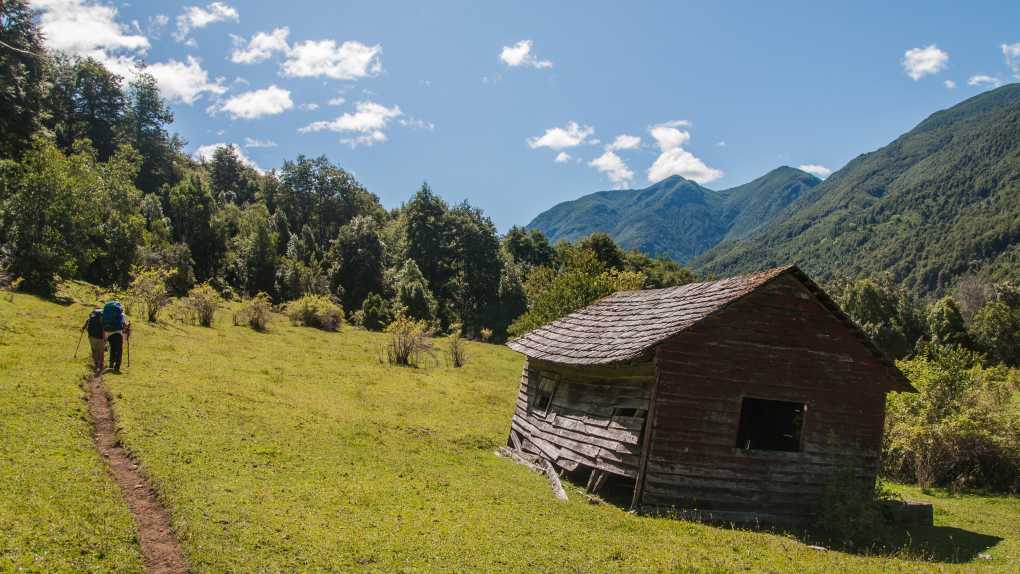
column 730, row 400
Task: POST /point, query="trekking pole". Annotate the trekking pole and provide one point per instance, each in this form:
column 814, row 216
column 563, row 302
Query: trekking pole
column 129, row 351
column 82, row 334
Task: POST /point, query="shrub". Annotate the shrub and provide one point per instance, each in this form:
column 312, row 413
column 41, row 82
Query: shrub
column 408, row 342
column 849, row 512
column 149, row 288
column 485, row 334
column 315, row 311
column 255, row 312
column 202, row 302
column 960, row 430
column 375, row 313
column 457, row 354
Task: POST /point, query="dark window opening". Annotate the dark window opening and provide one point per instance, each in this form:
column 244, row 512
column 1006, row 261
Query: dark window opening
column 770, row 425
column 628, row 412
column 543, row 395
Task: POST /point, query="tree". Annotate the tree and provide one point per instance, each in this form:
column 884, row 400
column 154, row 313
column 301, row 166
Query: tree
column 886, row 313
column 195, row 221
column 414, row 300
column 253, row 258
column 231, row 179
column 22, row 77
column 428, row 238
column 477, row 266
column 996, row 330
column 147, row 117
column 85, row 101
column 356, row 261
column 529, row 247
column 605, row 249
column 945, row 323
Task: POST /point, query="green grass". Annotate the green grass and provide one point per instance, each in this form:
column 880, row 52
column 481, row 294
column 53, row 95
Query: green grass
column 296, row 450
column 59, row 510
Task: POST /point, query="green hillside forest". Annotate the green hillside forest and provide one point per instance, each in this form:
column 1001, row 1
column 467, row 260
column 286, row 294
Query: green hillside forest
column 676, row 217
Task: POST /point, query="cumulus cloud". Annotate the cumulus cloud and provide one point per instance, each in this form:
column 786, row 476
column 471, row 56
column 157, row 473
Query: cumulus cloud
column 195, row 17
column 816, row 170
column 921, row 62
column 520, row 55
column 563, row 157
column 625, row 141
column 258, row 143
column 949, row 84
column 256, row 104
column 205, row 153
column 91, row 30
column 348, row 61
column 1012, row 54
column 260, row 47
column 367, row 124
column 613, row 165
column 571, row 135
column 983, row 80
column 673, row 159
column 184, row 82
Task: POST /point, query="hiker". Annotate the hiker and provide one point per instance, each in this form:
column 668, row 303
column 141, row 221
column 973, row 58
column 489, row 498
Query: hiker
column 117, row 328
column 94, row 326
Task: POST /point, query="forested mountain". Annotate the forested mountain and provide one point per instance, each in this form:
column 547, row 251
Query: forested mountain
column 941, row 201
column 676, row 217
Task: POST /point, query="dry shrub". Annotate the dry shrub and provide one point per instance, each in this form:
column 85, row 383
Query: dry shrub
column 255, row 312
column 408, row 343
column 315, row 311
column 149, row 288
column 485, row 334
column 456, row 353
column 202, row 303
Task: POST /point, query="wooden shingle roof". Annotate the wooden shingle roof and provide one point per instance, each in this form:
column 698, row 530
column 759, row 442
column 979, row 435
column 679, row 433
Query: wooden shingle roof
column 625, row 325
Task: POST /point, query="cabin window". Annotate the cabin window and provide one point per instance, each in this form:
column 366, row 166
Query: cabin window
column 543, row 394
column 770, row 425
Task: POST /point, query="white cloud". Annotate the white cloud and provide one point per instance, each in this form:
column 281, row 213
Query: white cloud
column 368, row 121
column 87, row 29
column 563, row 157
column 1012, row 54
column 257, row 103
column 920, row 62
column 184, row 82
column 348, row 61
column 625, row 141
column 816, row 170
column 950, row 84
column 983, row 80
column 520, row 55
column 260, row 47
column 415, row 123
column 613, row 166
column 720, row 143
column 337, row 101
column 674, row 160
column 257, row 143
column 205, row 153
column 309, row 106
column 195, row 17
column 572, row 135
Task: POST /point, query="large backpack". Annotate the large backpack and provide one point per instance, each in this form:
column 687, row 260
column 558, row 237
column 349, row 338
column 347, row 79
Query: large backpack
column 113, row 316
column 95, row 324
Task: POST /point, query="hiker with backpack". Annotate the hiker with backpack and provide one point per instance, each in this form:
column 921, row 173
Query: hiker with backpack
column 117, row 327
column 94, row 326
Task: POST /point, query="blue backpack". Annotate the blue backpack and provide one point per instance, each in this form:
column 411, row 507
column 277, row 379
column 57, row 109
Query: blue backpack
column 113, row 316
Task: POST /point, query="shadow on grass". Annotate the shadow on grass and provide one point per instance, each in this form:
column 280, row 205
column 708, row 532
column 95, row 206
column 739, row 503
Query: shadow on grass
column 942, row 544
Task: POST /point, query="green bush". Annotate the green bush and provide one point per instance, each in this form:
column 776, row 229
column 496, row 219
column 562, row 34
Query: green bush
column 202, row 302
column 961, row 429
column 149, row 289
column 375, row 313
column 849, row 513
column 408, row 343
column 315, row 311
column 255, row 312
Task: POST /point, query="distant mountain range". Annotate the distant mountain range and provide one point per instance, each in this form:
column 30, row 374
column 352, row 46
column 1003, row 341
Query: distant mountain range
column 676, row 217
column 940, row 201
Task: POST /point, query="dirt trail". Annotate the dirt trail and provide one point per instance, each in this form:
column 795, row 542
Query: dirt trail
column 160, row 547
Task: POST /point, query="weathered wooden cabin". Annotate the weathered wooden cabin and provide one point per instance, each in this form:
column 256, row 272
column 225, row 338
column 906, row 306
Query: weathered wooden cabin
column 732, row 400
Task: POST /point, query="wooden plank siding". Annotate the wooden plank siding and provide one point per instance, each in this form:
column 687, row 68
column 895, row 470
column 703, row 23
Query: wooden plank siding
column 579, row 427
column 778, row 343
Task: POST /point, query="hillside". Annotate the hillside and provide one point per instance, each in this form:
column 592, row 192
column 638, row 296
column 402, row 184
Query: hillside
column 298, row 450
column 940, row 201
column 676, row 217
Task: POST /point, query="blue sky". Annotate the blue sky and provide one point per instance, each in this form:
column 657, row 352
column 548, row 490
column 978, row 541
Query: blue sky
column 481, row 99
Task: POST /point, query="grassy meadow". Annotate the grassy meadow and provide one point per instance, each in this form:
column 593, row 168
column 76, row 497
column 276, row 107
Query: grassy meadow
column 297, row 450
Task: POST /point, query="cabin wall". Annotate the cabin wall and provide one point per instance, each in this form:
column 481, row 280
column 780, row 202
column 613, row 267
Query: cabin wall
column 583, row 424
column 778, row 343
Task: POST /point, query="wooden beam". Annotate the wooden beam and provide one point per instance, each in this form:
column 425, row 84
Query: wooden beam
column 646, row 441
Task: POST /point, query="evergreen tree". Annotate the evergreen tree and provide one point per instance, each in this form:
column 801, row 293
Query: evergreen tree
column 357, row 261
column 195, row 221
column 414, row 300
column 147, row 118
